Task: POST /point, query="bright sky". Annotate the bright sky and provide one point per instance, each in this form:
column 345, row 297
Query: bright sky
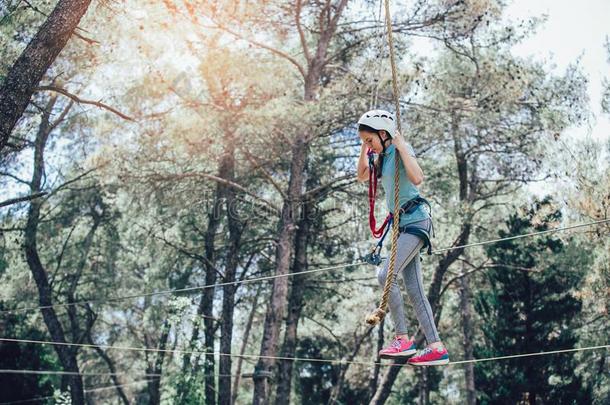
column 572, row 29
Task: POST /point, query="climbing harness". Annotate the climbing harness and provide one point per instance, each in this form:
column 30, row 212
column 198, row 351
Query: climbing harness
column 374, row 256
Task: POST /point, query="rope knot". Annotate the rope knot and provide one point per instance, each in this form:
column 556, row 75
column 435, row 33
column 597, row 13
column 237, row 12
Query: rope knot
column 376, row 317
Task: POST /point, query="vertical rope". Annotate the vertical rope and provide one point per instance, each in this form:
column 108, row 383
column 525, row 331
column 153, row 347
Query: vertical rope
column 375, row 94
column 380, row 312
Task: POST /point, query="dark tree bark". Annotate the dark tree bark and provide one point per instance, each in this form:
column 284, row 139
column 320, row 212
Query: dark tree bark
column 424, row 391
column 17, row 200
column 30, row 67
column 385, row 387
column 66, row 354
column 111, row 368
column 295, row 306
column 277, row 304
column 468, row 334
column 228, row 300
column 244, row 344
column 336, row 390
column 156, row 367
column 375, row 377
column 206, row 302
column 531, row 372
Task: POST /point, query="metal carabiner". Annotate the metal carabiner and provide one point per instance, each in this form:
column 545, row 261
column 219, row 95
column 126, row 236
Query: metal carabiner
column 374, row 256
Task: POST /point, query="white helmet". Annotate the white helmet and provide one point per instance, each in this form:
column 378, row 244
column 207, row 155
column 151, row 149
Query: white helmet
column 379, row 120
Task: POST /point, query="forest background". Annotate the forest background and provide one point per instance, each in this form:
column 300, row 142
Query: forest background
column 164, row 146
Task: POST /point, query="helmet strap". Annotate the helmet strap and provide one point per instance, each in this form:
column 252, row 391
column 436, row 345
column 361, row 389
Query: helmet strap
column 382, row 155
column 383, row 141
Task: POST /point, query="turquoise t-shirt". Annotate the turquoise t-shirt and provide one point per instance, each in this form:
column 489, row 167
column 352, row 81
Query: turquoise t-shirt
column 407, row 192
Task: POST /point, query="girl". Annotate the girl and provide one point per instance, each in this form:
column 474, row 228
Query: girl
column 377, row 130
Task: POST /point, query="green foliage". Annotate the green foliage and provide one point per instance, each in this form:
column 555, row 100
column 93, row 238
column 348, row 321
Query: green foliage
column 528, row 307
column 315, row 380
column 606, row 83
column 23, row 356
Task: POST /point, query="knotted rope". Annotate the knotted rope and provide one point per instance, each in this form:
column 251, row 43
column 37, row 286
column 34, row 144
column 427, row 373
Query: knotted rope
column 379, row 314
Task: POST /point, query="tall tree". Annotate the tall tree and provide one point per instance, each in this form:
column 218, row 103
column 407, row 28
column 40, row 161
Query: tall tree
column 531, row 309
column 67, row 355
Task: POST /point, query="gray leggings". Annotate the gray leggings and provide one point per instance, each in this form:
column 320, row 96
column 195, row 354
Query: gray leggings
column 407, row 259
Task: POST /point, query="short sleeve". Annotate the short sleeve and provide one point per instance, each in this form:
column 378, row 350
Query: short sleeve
column 411, row 150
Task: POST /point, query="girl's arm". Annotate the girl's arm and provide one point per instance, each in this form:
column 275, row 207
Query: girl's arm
column 363, row 164
column 414, row 172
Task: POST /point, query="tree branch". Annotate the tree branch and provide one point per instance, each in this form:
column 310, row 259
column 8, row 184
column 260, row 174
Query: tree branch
column 219, row 180
column 315, row 192
column 12, row 176
column 83, row 101
column 265, row 173
column 263, row 46
column 21, row 199
column 297, row 19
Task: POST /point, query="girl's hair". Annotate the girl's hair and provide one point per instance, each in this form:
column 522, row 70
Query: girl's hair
column 379, row 161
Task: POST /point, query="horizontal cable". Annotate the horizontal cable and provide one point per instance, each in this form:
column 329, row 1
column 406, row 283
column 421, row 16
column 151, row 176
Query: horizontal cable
column 265, row 278
column 85, row 374
column 177, row 290
column 59, row 372
column 525, row 235
column 515, row 356
column 87, row 391
column 113, row 387
column 300, row 359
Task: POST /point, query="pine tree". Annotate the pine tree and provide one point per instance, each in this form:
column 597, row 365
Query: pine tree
column 530, row 308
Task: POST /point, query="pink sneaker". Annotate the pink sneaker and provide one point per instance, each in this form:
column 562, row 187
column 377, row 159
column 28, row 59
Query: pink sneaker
column 398, row 348
column 430, row 357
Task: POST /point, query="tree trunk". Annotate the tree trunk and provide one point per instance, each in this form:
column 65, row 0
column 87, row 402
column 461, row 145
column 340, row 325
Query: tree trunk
column 424, row 391
column 115, row 380
column 277, row 305
column 109, row 363
column 530, row 370
column 204, row 309
column 385, row 388
column 375, row 377
column 243, row 347
column 67, row 356
column 30, row 67
column 300, row 150
column 295, row 306
column 206, row 301
column 466, row 315
column 226, row 328
column 228, row 300
column 336, row 390
column 154, row 385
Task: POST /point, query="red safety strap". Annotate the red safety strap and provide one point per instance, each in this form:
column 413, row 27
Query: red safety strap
column 377, row 233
